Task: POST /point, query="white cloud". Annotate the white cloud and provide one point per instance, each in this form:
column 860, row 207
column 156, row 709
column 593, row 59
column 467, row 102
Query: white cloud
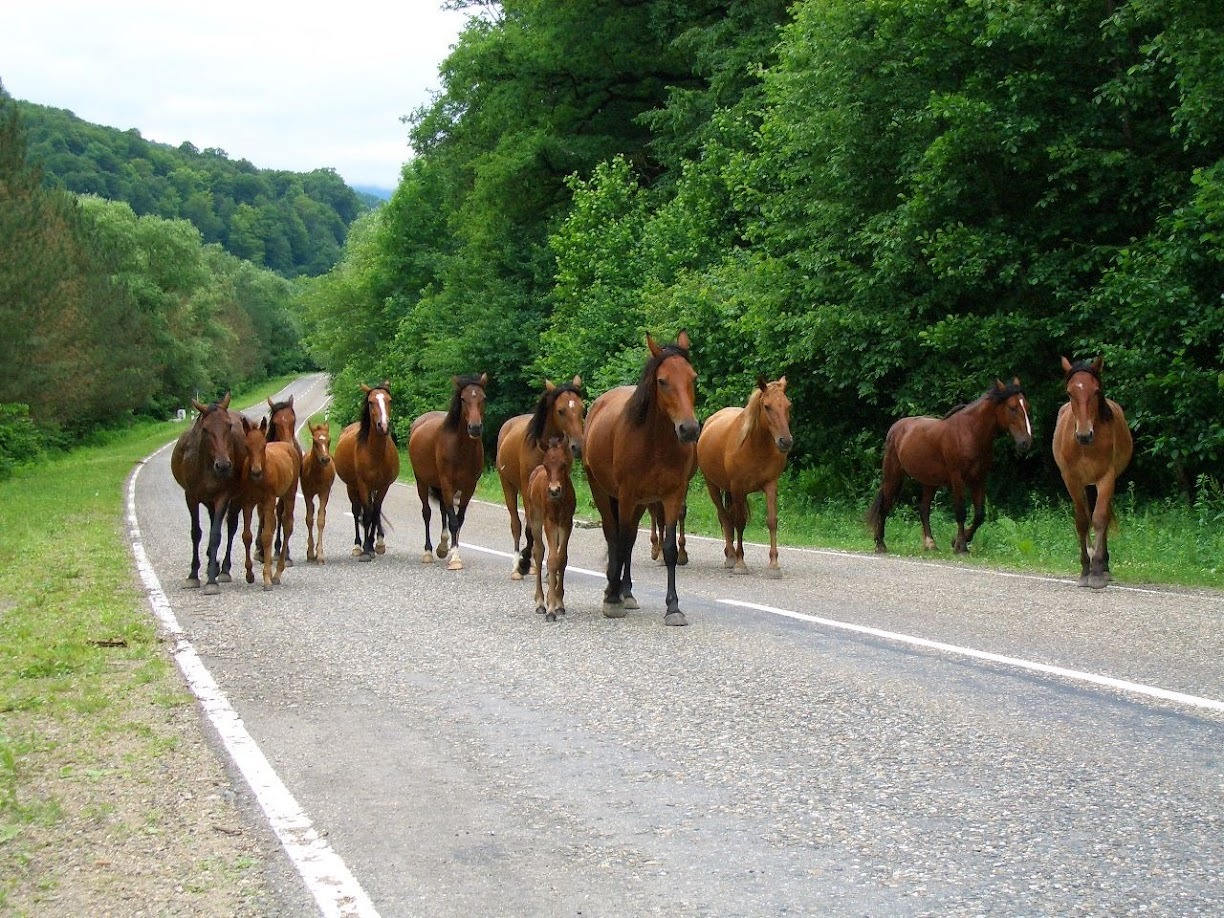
column 286, row 87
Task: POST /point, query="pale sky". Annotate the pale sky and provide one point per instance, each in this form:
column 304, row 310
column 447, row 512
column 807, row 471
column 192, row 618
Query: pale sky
column 296, row 86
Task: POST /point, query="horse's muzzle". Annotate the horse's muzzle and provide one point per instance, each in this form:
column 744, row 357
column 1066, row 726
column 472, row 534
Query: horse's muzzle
column 256, row 474
column 1085, row 439
column 324, row 460
column 688, row 431
column 1023, row 444
column 785, row 444
column 576, row 449
column 474, row 430
column 554, row 492
column 223, row 469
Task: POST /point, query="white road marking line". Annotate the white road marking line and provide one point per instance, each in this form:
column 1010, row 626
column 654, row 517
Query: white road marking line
column 335, row 889
column 1195, row 701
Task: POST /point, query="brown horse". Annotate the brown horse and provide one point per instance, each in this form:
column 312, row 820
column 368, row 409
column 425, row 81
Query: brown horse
column 955, row 452
column 282, row 428
column 447, row 456
column 318, row 474
column 548, row 504
column 1092, row 446
column 207, row 462
column 368, row 462
column 269, row 485
column 520, row 448
column 640, row 450
column 741, row 451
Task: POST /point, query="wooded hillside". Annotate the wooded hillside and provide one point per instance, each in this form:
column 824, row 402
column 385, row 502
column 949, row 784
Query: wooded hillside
column 290, row 222
column 892, row 202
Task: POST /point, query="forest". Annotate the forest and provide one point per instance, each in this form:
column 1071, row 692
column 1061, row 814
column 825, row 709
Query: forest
column 289, row 222
column 109, row 315
column 891, row 202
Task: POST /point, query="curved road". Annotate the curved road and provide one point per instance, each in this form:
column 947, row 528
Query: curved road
column 864, row 736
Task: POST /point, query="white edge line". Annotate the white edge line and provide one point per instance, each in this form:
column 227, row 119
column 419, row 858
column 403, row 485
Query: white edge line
column 335, row 889
column 1195, row 701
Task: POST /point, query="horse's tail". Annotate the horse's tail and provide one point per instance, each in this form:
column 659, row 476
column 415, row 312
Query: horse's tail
column 874, row 513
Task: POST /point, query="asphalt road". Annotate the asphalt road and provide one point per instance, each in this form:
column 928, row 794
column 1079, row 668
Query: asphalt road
column 466, row 758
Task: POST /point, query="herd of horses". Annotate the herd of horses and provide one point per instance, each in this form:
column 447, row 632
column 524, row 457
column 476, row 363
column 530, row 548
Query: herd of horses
column 640, row 446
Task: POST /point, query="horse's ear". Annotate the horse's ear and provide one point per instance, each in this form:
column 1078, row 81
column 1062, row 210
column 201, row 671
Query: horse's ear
column 484, row 380
column 782, row 383
column 386, row 384
column 270, row 402
column 1097, row 365
column 577, row 381
column 246, row 423
column 655, row 350
column 289, row 401
column 199, row 406
column 224, row 403
column 999, row 383
column 548, row 385
column 1016, row 381
column 762, row 382
column 263, row 424
column 366, row 389
column 682, row 340
column 1066, row 364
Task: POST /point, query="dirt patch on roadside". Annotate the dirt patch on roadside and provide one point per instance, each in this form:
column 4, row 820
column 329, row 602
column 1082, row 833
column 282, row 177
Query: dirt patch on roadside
column 137, row 819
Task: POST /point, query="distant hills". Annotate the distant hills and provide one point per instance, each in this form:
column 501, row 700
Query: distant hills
column 373, row 193
column 293, row 223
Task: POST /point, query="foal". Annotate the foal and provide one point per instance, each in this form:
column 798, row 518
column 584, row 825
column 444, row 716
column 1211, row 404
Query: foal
column 548, row 504
column 269, row 483
column 318, row 475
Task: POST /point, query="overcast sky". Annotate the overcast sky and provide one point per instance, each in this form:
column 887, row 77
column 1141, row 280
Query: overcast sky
column 286, row 86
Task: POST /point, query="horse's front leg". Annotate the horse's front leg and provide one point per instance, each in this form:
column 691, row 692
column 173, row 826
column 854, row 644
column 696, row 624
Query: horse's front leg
column 626, row 538
column 231, row 528
column 357, row 504
column 368, row 532
column 1098, row 570
column 609, row 514
column 771, row 521
column 537, row 559
column 216, row 519
column 979, row 511
column 1083, row 522
column 193, row 576
column 322, row 523
column 673, row 615
column 558, row 559
column 427, row 518
column 267, row 526
column 246, row 541
column 961, row 544
column 458, row 513
column 681, row 550
column 739, row 515
column 310, row 521
column 284, row 523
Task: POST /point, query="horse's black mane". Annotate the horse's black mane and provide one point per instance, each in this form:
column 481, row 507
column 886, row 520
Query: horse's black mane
column 994, row 395
column 363, row 433
column 455, row 411
column 1104, row 412
column 643, row 396
column 543, row 408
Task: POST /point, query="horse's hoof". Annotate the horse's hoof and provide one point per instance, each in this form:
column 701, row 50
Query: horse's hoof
column 532, row 571
column 224, row 577
column 560, row 610
column 682, row 558
column 614, row 610
column 288, row 562
column 881, row 548
column 310, row 556
column 550, row 617
column 515, row 575
column 540, row 610
column 1098, row 581
column 250, row 578
column 773, row 572
column 427, row 558
column 729, row 563
column 654, row 553
column 356, row 551
column 675, row 618
column 1083, row 581
column 740, row 568
column 191, row 583
column 960, row 549
column 380, row 549
column 321, row 561
column 366, row 556
column 629, row 601
column 211, row 589
column 455, row 565
column 267, row 588
column 276, row 581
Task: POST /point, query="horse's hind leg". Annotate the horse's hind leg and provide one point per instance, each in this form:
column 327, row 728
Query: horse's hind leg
column 355, row 500
column 1083, row 522
column 739, row 518
column 771, row 521
column 246, row 542
column 310, row 521
column 924, row 514
column 193, row 576
column 231, row 527
column 458, row 511
column 322, row 522
column 681, row 551
column 427, row 517
column 979, row 512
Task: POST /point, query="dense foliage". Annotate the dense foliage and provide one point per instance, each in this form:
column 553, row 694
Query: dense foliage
column 107, row 314
column 893, row 202
column 292, row 223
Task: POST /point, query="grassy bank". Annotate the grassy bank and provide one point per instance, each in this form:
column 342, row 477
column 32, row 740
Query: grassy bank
column 92, row 712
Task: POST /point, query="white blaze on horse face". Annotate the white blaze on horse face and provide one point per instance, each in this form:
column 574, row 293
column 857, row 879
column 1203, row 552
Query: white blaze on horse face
column 383, row 420
column 1028, row 426
column 1079, row 384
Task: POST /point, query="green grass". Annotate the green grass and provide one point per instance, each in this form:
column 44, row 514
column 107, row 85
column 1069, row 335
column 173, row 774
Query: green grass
column 76, row 637
column 1167, row 543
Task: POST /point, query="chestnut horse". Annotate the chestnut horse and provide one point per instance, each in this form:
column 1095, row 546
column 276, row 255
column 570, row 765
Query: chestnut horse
column 640, row 450
column 447, row 456
column 207, row 463
column 520, row 448
column 282, row 428
column 548, row 504
column 269, row 485
column 1092, row 446
column 318, row 475
column 955, row 452
column 368, row 463
column 741, row 451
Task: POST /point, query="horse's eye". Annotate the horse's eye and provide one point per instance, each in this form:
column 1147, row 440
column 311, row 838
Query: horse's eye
column 663, row 383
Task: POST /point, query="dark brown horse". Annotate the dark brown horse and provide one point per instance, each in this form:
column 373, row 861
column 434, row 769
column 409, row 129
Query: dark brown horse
column 282, row 428
column 447, row 456
column 318, row 475
column 742, row 451
column 1092, row 446
column 368, row 462
column 954, row 452
column 269, row 486
column 548, row 504
column 640, row 450
column 207, row 462
column 520, row 448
